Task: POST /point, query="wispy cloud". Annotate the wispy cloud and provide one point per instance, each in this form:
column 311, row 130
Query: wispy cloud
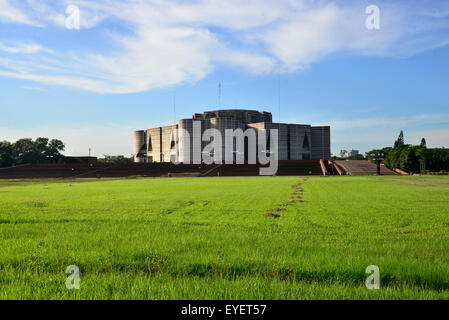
column 12, row 14
column 26, row 48
column 162, row 43
column 31, row 88
column 369, row 133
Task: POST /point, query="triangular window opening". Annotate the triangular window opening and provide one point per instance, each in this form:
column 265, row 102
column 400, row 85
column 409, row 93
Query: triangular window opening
column 305, row 144
column 268, row 141
column 150, row 147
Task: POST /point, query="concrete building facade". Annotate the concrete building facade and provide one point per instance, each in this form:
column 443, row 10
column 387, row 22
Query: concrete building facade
column 295, row 141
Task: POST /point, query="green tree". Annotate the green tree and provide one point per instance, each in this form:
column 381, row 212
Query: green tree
column 438, row 160
column 24, row 151
column 423, row 143
column 392, row 158
column 377, row 152
column 422, row 154
column 115, row 159
column 6, row 159
column 400, row 141
column 39, row 151
column 414, row 158
column 54, row 149
column 408, row 160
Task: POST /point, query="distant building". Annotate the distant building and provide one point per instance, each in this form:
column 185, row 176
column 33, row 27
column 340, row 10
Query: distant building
column 295, row 141
column 349, row 153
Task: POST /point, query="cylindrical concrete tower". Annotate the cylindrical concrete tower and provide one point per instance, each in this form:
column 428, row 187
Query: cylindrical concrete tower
column 139, row 144
column 185, row 136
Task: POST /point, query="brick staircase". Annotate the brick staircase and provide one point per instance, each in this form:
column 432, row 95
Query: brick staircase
column 362, row 167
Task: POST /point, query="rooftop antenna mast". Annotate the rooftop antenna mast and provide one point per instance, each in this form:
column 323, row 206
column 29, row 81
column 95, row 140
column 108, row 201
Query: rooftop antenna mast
column 176, row 137
column 219, row 95
column 279, row 105
column 279, row 95
column 174, row 105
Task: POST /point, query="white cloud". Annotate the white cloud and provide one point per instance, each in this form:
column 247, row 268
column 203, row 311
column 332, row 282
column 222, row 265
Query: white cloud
column 10, row 13
column 38, row 13
column 171, row 42
column 54, row 14
column 31, row 88
column 26, row 48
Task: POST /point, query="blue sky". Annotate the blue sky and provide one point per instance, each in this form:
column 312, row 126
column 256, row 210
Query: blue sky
column 124, row 67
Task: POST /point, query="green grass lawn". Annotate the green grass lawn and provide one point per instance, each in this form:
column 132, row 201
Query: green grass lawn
column 208, row 238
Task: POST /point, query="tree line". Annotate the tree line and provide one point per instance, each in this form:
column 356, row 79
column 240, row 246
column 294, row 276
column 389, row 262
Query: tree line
column 24, row 151
column 413, row 158
column 115, row 159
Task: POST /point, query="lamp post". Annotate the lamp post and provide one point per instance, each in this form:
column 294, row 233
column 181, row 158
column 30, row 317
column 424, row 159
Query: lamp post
column 377, row 157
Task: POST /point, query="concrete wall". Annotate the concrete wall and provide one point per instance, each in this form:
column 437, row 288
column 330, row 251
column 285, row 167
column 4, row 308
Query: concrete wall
column 168, row 140
column 283, row 137
column 300, row 142
column 185, row 143
column 244, row 116
column 154, row 144
column 223, row 124
column 189, row 148
column 321, row 143
column 139, row 146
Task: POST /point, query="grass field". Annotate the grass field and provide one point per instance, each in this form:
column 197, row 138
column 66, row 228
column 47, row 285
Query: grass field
column 208, row 238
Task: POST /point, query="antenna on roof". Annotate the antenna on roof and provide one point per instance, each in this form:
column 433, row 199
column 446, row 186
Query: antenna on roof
column 279, row 95
column 176, row 137
column 219, row 95
column 279, row 105
column 174, row 105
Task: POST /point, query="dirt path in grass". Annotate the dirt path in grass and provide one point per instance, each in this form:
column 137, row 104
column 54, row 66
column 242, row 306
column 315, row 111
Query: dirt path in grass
column 295, row 197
